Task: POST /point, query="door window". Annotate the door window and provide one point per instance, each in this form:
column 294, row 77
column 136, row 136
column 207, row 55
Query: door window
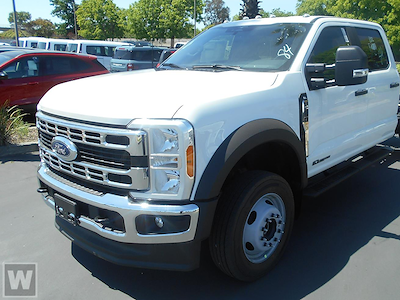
column 24, row 67
column 324, row 51
column 371, row 42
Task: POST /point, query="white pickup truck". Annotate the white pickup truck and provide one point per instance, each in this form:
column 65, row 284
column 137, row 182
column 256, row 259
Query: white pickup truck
column 269, row 110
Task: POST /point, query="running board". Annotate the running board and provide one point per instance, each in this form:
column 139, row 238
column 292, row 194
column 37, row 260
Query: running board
column 333, row 177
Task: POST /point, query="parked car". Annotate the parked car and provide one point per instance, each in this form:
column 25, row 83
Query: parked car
column 129, row 58
column 104, row 50
column 165, row 54
column 26, row 75
column 180, row 44
column 10, row 48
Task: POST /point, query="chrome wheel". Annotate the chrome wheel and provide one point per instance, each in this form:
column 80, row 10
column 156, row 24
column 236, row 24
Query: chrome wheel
column 264, row 228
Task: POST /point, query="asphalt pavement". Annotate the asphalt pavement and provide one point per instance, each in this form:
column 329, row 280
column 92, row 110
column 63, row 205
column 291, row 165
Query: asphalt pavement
column 345, row 245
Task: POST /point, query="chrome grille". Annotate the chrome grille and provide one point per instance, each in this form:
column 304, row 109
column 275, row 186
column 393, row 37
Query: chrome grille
column 105, row 155
column 112, row 158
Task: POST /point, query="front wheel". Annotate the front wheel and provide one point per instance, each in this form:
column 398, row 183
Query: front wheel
column 252, row 225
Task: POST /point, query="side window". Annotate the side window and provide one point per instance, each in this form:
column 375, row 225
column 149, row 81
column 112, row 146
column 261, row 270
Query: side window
column 156, row 55
column 97, row 50
column 147, row 55
column 60, row 47
column 324, row 51
column 25, row 67
column 61, row 65
column 372, row 44
column 94, row 50
column 109, row 51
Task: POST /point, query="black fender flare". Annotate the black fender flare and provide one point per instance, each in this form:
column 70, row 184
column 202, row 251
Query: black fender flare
column 238, row 144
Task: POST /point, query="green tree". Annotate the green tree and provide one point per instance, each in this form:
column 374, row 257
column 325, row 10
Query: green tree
column 313, row 7
column 64, row 9
column 143, row 19
column 175, row 18
column 23, row 17
column 160, row 19
column 10, row 34
column 250, row 9
column 277, row 12
column 40, row 27
column 99, row 20
column 215, row 12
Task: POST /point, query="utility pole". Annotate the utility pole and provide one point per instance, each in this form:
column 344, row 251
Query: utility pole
column 76, row 34
column 194, row 18
column 15, row 25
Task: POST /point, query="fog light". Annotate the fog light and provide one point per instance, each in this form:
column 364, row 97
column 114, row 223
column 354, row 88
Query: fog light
column 159, row 222
column 150, row 224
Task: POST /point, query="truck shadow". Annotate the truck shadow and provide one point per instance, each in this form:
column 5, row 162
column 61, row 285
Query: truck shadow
column 329, row 231
column 26, row 157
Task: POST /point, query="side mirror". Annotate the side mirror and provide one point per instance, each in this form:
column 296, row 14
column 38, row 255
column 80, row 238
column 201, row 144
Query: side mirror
column 316, row 75
column 351, row 66
column 3, row 75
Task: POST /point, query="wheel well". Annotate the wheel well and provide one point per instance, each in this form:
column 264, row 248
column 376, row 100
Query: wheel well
column 276, row 157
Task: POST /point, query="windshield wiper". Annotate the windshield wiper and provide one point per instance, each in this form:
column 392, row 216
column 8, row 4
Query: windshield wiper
column 171, row 65
column 217, row 67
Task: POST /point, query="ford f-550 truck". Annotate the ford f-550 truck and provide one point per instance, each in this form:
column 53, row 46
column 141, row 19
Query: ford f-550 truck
column 269, row 110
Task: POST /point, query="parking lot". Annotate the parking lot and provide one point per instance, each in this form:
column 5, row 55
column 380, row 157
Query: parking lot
column 345, row 245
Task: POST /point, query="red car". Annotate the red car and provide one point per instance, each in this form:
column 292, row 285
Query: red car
column 26, row 75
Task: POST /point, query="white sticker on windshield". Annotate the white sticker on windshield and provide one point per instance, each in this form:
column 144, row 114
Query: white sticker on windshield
column 286, row 51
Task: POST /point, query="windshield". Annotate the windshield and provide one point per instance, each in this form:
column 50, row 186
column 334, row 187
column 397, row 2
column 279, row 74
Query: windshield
column 8, row 55
column 267, row 48
column 3, row 59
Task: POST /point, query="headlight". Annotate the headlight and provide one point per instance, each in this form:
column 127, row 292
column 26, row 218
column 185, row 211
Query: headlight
column 171, row 158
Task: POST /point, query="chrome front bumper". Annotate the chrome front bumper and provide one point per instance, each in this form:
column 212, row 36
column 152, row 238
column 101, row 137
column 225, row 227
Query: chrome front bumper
column 129, row 211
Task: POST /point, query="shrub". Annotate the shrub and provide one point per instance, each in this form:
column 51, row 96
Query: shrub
column 11, row 123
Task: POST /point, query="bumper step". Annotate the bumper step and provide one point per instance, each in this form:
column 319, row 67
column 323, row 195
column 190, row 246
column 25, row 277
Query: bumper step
column 334, row 176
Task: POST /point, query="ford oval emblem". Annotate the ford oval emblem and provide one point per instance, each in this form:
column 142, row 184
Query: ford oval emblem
column 64, row 148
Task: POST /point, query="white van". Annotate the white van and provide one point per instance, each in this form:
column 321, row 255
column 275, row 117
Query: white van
column 53, row 44
column 104, row 50
column 30, row 42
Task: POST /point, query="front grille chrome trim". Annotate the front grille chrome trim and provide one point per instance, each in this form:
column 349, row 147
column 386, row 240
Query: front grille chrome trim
column 139, row 176
column 94, row 135
column 100, row 161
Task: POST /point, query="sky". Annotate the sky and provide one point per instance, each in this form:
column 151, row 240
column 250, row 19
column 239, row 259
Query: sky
column 42, row 8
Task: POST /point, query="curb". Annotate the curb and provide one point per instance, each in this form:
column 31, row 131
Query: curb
column 18, row 149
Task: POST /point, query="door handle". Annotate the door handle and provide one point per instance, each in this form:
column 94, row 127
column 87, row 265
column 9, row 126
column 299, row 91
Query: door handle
column 361, row 92
column 394, row 85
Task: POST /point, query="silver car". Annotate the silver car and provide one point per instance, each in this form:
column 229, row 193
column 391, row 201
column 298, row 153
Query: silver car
column 130, row 58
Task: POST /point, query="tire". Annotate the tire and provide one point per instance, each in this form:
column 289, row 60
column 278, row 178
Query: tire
column 252, row 225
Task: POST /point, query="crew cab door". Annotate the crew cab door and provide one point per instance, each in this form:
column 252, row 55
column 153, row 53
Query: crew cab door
column 346, row 119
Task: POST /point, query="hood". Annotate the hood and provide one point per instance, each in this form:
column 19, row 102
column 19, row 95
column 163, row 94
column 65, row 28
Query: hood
column 119, row 98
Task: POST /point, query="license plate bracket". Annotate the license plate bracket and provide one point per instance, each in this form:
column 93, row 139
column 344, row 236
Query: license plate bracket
column 66, row 209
